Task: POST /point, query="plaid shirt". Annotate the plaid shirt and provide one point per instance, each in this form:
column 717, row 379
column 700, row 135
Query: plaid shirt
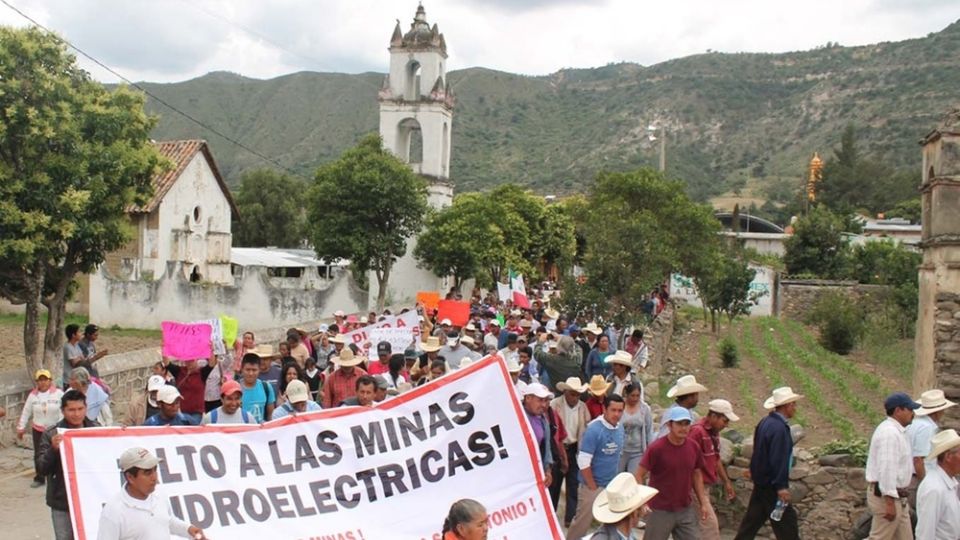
column 339, row 387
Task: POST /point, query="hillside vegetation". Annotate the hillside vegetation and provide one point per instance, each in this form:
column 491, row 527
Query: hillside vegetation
column 733, row 119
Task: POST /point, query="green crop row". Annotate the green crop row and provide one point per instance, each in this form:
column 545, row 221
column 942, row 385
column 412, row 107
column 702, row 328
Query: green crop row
column 747, row 334
column 845, row 365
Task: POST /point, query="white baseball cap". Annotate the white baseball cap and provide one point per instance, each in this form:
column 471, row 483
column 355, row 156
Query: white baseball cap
column 537, row 389
column 723, row 407
column 140, row 458
column 446, row 322
column 155, row 382
column 297, row 391
column 168, row 394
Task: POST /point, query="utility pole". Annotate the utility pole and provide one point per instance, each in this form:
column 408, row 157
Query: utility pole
column 663, row 149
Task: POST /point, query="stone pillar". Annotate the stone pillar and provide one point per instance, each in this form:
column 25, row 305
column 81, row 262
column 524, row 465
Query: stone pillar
column 938, row 321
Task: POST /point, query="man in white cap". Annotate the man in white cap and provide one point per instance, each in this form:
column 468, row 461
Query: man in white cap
column 620, row 506
column 453, row 351
column 770, row 470
column 675, row 466
column 706, row 435
column 169, row 400
column 925, row 425
column 575, row 417
column 298, row 401
column 598, row 460
column 137, row 512
column 536, row 400
column 938, row 507
column 889, row 471
column 491, row 340
column 686, row 394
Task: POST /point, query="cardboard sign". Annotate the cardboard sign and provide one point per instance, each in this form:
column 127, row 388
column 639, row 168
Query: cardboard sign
column 399, row 338
column 457, row 312
column 186, row 341
column 428, row 299
column 361, row 336
column 230, row 327
column 216, row 335
column 504, row 292
column 349, row 473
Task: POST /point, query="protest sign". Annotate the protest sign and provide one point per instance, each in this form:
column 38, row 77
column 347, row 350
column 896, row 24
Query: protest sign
column 361, row 336
column 457, row 312
column 399, row 338
column 230, row 327
column 186, row 341
column 362, row 473
column 428, row 299
column 216, row 335
column 504, row 292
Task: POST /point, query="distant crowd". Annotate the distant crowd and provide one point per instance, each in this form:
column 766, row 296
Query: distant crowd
column 579, row 381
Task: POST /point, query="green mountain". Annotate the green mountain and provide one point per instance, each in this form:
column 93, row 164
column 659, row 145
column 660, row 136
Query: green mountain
column 731, row 118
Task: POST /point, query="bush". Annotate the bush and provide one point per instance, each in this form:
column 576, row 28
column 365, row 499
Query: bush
column 856, row 448
column 728, row 353
column 841, row 322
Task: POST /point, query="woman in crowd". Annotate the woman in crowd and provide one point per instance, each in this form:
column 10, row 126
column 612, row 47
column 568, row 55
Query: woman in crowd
column 43, row 408
column 394, row 375
column 637, row 424
column 595, row 360
column 290, row 372
column 314, row 378
column 467, row 520
column 438, row 368
column 246, row 344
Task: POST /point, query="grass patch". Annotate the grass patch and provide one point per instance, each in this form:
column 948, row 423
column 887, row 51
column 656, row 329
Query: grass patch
column 14, row 319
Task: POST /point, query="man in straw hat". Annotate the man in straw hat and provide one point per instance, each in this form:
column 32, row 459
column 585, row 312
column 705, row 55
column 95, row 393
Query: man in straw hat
column 621, row 362
column 938, row 507
column 596, row 391
column 575, row 417
column 675, row 467
column 620, row 506
column 925, row 425
column 889, row 471
column 706, row 435
column 598, row 460
column 770, row 469
column 686, row 394
column 137, row 511
column 342, row 383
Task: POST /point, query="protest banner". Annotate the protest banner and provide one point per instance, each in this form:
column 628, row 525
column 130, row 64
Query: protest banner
column 186, row 341
column 400, row 339
column 231, row 327
column 504, row 292
column 351, row 472
column 361, row 336
column 216, row 335
column 457, row 312
column 428, row 299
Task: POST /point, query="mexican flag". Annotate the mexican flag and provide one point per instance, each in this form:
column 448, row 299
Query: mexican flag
column 519, row 292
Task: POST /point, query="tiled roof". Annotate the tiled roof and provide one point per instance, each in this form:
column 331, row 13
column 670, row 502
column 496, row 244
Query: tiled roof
column 181, row 153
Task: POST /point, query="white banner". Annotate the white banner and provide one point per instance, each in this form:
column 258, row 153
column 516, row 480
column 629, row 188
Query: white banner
column 504, row 292
column 361, row 336
column 389, row 472
column 398, row 338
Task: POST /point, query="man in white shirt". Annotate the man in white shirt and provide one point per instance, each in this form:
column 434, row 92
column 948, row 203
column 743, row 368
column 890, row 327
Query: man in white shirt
column 231, row 412
column 137, row 513
column 889, row 470
column 925, row 425
column 938, row 507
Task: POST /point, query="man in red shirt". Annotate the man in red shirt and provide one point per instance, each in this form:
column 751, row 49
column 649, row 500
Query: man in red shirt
column 706, row 435
column 675, row 465
column 342, row 383
column 382, row 364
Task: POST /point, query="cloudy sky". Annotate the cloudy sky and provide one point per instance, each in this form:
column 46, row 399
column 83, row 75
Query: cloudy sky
column 173, row 40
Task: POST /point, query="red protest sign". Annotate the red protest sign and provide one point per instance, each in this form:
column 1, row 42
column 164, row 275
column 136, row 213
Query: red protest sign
column 457, row 312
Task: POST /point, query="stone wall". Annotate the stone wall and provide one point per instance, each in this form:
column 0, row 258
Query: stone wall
column 946, row 344
column 828, row 499
column 797, row 297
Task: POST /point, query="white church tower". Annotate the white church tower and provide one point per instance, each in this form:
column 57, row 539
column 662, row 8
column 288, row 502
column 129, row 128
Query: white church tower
column 416, row 113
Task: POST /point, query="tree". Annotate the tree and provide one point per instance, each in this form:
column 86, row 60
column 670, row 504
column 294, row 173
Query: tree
column 462, row 239
column 73, row 157
column 271, row 210
column 723, row 285
column 817, row 245
column 639, row 227
column 363, row 207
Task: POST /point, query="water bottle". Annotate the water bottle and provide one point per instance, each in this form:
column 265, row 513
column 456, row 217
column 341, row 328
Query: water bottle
column 777, row 513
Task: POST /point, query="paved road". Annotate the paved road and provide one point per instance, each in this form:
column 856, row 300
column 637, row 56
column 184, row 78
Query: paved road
column 24, row 513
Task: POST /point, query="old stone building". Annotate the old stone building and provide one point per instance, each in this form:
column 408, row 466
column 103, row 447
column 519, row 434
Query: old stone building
column 938, row 338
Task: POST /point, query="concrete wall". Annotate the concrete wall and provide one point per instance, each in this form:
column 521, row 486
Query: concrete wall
column 764, row 285
column 251, row 299
column 795, row 298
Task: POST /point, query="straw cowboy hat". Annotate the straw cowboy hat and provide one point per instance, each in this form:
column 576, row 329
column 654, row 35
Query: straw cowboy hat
column 339, row 338
column 598, row 386
column 593, row 329
column 264, row 351
column 573, row 383
column 943, row 441
column 347, row 358
column 621, row 357
column 622, row 496
column 432, row 344
column 781, row 396
column 686, row 385
column 722, row 406
column 551, row 313
column 933, row 401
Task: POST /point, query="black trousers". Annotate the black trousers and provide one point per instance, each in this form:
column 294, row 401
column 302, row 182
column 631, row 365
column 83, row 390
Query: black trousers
column 762, row 501
column 572, row 483
column 37, row 477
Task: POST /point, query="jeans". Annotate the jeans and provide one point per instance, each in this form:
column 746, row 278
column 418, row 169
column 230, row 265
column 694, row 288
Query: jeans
column 37, row 435
column 572, row 483
column 62, row 528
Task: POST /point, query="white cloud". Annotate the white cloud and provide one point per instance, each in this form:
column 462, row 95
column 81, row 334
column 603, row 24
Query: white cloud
column 179, row 39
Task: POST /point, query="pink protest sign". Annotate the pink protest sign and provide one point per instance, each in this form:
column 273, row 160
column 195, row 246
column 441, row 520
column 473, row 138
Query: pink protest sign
column 186, row 341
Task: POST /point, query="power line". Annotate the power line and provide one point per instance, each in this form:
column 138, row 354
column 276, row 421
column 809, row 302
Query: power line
column 155, row 97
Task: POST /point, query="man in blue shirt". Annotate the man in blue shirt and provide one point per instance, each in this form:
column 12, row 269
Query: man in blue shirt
column 598, row 460
column 298, row 401
column 168, row 398
column 770, row 469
